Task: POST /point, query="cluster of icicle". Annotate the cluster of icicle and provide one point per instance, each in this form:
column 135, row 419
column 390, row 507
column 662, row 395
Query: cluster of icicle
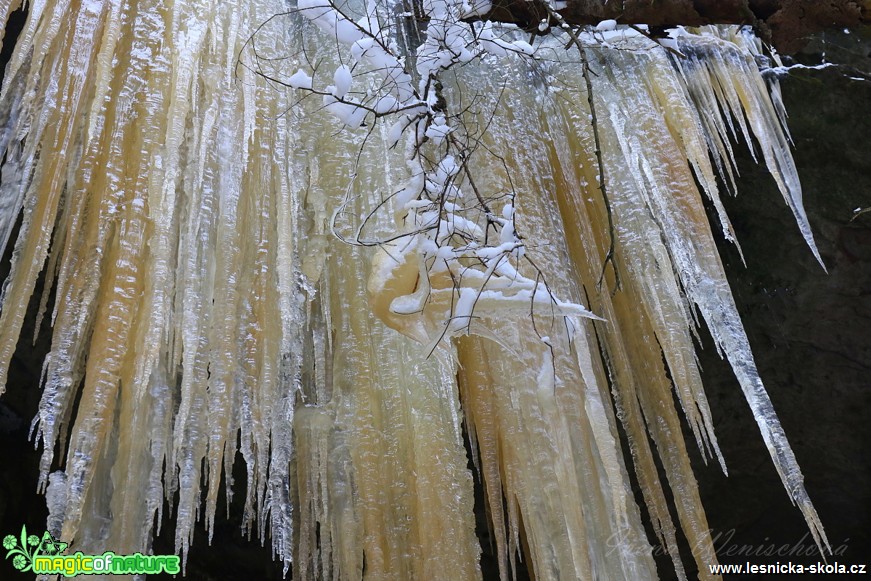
column 179, row 188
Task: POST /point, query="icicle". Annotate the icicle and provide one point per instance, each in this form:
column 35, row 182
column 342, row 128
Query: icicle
column 183, row 195
column 743, row 94
column 683, row 225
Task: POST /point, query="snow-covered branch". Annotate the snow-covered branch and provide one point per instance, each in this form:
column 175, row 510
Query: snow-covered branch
column 455, row 253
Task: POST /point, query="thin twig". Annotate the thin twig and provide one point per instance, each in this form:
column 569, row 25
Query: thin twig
column 585, row 69
column 609, row 256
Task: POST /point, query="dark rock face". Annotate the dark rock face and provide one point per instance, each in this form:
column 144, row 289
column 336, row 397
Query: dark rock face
column 810, row 331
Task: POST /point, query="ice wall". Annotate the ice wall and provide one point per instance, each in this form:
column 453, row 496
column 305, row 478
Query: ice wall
column 178, row 190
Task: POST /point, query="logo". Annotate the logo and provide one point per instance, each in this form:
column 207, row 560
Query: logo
column 31, row 547
column 44, row 556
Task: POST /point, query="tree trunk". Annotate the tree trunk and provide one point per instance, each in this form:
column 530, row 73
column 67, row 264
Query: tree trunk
column 784, row 23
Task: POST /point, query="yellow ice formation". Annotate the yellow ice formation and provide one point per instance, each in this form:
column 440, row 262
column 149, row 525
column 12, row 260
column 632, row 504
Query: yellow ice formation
column 180, row 201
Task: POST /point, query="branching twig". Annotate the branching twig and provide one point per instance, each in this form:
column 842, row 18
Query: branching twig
column 432, row 216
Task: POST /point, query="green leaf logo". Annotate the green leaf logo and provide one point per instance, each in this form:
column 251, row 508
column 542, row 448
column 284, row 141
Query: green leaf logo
column 26, row 548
